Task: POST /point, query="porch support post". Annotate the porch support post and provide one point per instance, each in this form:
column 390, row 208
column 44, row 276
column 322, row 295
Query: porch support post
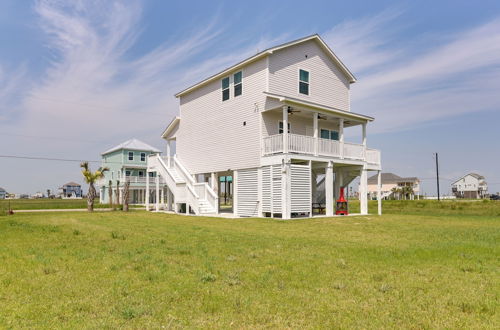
column 363, row 187
column 316, row 141
column 341, row 137
column 157, row 199
column 285, row 191
column 146, row 197
column 163, row 196
column 329, row 189
column 213, row 181
column 364, row 141
column 168, row 153
column 285, row 129
column 379, row 192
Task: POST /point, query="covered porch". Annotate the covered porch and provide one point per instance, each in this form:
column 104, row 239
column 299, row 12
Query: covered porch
column 297, row 127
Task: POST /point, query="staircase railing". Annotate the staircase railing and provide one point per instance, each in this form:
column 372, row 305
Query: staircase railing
column 201, row 190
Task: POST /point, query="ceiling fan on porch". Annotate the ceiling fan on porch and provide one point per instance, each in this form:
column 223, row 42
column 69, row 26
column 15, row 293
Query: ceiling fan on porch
column 291, row 111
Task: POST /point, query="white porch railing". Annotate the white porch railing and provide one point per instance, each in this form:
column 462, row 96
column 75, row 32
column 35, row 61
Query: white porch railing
column 372, row 156
column 331, row 148
column 273, row 144
column 354, row 151
column 300, row 143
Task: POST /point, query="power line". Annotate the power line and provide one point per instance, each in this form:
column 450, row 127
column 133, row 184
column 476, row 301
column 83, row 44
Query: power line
column 55, row 159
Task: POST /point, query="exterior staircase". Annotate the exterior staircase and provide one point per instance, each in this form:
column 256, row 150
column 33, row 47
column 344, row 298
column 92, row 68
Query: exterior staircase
column 199, row 197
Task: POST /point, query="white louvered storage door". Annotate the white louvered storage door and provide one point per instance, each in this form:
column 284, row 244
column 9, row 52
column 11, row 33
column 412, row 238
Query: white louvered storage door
column 271, row 189
column 301, row 188
column 248, row 193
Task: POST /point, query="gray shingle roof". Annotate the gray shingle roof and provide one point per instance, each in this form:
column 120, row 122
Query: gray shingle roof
column 132, row 144
column 391, row 178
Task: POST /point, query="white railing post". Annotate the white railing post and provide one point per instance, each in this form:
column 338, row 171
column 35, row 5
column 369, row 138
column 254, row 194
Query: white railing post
column 168, row 153
column 379, row 192
column 285, row 129
column 157, row 197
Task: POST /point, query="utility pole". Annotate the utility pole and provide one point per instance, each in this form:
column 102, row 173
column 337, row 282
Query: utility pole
column 437, row 175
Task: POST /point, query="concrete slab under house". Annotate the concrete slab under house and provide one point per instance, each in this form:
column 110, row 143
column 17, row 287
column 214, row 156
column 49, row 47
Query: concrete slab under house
column 275, row 124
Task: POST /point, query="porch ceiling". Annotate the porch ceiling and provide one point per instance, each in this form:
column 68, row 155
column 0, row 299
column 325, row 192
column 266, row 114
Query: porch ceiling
column 307, row 114
column 352, row 118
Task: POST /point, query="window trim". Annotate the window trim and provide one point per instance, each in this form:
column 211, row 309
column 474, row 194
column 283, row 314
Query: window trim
column 305, row 82
column 130, row 153
column 224, row 89
column 236, row 84
column 143, row 154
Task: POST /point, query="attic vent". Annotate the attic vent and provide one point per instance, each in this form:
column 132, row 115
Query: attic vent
column 306, row 55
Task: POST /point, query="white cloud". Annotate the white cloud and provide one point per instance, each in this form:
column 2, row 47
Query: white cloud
column 408, row 83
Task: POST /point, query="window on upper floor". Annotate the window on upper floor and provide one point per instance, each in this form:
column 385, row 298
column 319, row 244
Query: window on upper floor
column 143, row 156
column 225, row 89
column 280, row 127
column 238, row 83
column 304, row 82
column 130, row 155
column 329, row 134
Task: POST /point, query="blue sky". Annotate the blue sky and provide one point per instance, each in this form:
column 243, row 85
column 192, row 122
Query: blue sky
column 77, row 77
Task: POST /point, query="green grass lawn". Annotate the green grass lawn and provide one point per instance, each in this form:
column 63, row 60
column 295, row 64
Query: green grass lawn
column 45, row 203
column 147, row 270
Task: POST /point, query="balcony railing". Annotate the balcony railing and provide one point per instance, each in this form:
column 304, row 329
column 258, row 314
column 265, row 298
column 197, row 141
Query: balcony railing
column 303, row 144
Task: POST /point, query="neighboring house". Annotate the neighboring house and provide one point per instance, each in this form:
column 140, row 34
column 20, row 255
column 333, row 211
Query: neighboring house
column 471, row 185
column 127, row 161
column 393, row 186
column 274, row 123
column 3, row 193
column 70, row 190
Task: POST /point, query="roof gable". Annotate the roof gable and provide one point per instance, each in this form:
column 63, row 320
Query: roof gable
column 269, row 51
column 132, row 144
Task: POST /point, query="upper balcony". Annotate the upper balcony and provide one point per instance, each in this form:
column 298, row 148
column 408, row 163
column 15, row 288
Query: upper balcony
column 308, row 145
column 314, row 130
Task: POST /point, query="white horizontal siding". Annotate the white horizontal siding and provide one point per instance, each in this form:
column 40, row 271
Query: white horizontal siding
column 328, row 85
column 212, row 136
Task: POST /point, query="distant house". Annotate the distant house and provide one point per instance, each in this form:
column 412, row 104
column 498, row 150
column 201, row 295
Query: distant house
column 128, row 162
column 3, row 193
column 471, row 185
column 71, row 190
column 393, row 186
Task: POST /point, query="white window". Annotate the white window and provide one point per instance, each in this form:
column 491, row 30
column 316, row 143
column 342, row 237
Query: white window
column 238, row 83
column 304, row 82
column 328, row 134
column 280, row 128
column 143, row 156
column 130, row 155
column 225, row 89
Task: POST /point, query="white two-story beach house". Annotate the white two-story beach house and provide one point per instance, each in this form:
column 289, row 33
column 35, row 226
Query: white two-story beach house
column 275, row 123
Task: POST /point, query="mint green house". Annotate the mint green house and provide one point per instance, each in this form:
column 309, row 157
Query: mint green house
column 127, row 162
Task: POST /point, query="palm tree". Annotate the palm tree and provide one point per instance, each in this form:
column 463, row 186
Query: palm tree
column 91, row 178
column 110, row 195
column 395, row 192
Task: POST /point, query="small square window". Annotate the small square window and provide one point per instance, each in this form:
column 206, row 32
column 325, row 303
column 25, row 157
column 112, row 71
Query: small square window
column 127, row 173
column 143, row 156
column 141, row 173
column 130, row 155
